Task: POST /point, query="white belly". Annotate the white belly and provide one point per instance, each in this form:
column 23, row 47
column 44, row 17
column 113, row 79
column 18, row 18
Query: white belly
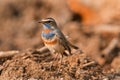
column 57, row 48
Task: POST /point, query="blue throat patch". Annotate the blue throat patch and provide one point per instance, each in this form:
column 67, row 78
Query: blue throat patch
column 48, row 35
column 46, row 25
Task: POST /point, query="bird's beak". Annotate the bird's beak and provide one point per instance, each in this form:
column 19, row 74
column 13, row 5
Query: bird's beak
column 40, row 21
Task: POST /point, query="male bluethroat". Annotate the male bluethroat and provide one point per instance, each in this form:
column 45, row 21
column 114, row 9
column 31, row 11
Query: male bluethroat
column 54, row 39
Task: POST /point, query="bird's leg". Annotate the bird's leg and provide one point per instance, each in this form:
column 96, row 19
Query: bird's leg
column 61, row 58
column 60, row 62
column 55, row 58
column 54, row 55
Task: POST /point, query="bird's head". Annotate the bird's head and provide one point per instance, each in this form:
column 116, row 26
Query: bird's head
column 48, row 23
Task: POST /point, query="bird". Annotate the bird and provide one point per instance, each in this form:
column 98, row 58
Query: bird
column 54, row 39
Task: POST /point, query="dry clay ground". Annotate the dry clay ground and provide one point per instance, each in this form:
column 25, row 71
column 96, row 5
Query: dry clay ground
column 19, row 31
column 34, row 65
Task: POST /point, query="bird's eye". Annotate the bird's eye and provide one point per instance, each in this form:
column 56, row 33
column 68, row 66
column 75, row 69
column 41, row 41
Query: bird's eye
column 49, row 21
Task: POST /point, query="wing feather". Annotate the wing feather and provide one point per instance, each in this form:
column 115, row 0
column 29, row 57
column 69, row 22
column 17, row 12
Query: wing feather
column 63, row 41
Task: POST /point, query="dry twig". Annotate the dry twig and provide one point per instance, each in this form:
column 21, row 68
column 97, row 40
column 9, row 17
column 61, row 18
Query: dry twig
column 43, row 50
column 89, row 64
column 4, row 54
column 111, row 46
column 8, row 53
column 105, row 28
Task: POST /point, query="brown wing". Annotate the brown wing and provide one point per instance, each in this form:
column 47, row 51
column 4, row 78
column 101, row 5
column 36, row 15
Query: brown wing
column 63, row 41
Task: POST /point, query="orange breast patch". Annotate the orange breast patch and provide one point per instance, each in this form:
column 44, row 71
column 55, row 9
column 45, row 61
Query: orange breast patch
column 50, row 42
column 47, row 30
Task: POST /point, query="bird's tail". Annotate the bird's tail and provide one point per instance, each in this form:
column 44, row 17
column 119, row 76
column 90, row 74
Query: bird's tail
column 73, row 46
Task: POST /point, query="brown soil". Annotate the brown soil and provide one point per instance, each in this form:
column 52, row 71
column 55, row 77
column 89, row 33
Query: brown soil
column 32, row 65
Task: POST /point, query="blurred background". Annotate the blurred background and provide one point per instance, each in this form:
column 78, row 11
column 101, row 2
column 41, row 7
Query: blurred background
column 93, row 25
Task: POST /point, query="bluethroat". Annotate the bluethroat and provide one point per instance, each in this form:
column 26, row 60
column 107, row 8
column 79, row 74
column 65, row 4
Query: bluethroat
column 54, row 39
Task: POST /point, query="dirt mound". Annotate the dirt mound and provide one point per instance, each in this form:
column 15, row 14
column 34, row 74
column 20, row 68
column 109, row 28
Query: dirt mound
column 34, row 65
column 30, row 65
